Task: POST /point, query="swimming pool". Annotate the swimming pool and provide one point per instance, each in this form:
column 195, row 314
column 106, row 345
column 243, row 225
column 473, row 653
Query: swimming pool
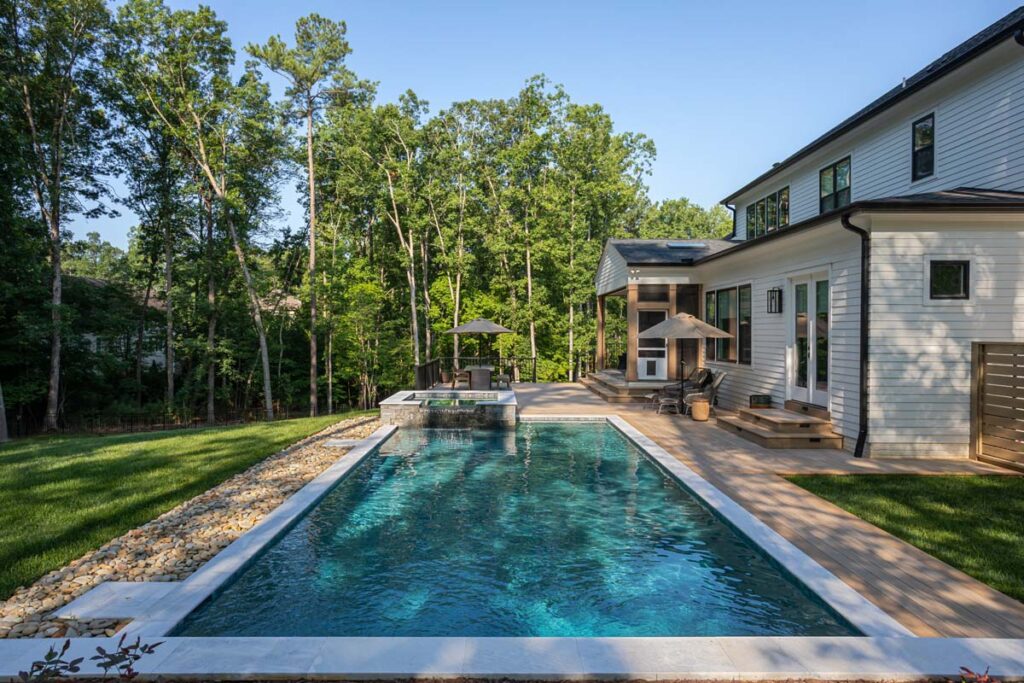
column 548, row 529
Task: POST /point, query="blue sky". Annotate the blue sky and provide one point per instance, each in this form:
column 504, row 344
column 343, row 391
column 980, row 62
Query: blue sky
column 724, row 88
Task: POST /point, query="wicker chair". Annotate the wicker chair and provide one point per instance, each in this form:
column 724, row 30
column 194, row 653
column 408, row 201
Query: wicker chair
column 710, row 392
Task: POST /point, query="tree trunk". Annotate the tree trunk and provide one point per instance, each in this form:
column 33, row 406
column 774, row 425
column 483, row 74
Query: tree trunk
column 312, row 265
column 4, row 435
column 168, row 282
column 52, row 392
column 211, row 325
column 425, row 256
column 142, row 331
column 529, row 293
column 257, row 317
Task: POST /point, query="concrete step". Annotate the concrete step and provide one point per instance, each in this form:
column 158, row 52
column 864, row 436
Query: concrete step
column 808, row 409
column 768, row 438
column 786, row 421
column 608, row 394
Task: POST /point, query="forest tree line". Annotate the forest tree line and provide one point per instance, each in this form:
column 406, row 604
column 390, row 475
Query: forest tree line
column 415, row 220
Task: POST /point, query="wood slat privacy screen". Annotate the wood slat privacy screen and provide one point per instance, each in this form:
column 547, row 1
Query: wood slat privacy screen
column 997, row 399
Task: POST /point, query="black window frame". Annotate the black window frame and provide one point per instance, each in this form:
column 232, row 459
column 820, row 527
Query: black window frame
column 758, row 219
column 832, row 200
column 741, row 345
column 966, row 279
column 744, row 330
column 915, row 172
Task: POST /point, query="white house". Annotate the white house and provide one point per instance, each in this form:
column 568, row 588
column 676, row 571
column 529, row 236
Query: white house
column 873, row 278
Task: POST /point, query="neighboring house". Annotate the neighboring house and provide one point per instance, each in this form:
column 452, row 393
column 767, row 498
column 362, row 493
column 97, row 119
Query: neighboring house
column 924, row 190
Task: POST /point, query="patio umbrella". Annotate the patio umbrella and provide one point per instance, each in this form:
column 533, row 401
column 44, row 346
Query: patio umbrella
column 683, row 326
column 478, row 326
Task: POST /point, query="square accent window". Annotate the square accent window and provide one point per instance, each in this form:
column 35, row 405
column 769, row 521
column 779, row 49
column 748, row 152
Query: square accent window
column 923, row 160
column 949, row 279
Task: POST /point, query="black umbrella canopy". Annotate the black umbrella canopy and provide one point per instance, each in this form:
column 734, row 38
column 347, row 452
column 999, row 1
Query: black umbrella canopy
column 480, row 326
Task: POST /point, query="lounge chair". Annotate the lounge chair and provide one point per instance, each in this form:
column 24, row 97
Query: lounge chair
column 710, row 392
column 698, row 379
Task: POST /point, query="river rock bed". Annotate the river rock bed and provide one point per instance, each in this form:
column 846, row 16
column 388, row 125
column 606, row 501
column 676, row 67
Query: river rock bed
column 178, row 542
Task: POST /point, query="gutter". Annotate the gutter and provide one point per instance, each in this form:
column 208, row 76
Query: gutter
column 733, row 209
column 865, row 327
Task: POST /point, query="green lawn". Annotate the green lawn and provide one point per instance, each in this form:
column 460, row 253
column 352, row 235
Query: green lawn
column 63, row 496
column 974, row 523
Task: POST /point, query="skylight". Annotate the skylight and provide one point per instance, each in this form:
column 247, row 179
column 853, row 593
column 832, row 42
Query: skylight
column 686, row 245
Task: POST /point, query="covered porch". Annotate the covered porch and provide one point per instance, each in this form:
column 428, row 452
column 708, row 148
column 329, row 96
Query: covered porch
column 627, row 371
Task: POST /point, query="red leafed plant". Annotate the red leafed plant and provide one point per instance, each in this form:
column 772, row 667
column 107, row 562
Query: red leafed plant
column 968, row 676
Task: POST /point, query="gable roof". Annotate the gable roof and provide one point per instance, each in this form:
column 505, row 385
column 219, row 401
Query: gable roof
column 678, row 252
column 961, row 54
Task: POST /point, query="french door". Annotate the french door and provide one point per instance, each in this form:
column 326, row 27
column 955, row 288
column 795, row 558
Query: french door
column 651, row 360
column 809, row 348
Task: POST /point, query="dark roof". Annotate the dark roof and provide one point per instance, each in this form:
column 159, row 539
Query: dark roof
column 961, row 196
column 639, row 252
column 959, row 199
column 961, row 54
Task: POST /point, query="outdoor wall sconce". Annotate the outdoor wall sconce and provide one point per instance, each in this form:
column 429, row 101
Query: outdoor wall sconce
column 775, row 300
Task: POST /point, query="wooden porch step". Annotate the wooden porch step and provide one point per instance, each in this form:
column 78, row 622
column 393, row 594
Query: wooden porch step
column 808, row 409
column 768, row 438
column 786, row 421
column 609, row 394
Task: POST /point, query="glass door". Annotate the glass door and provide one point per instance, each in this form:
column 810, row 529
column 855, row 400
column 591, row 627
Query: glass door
column 809, row 353
column 651, row 354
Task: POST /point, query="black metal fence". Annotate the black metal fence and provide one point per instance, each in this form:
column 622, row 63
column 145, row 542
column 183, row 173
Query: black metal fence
column 441, row 370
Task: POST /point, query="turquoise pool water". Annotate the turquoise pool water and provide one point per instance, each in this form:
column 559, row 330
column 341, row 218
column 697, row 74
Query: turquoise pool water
column 550, row 529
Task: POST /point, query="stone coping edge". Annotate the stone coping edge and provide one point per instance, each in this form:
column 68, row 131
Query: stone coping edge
column 766, row 658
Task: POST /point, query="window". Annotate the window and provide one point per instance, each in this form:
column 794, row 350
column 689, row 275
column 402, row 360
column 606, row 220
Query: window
column 768, row 214
column 834, row 186
column 730, row 310
column 949, row 279
column 727, row 323
column 783, row 207
column 923, row 160
column 709, row 317
column 744, row 337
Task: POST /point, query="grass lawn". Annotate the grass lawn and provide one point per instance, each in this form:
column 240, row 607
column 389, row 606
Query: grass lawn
column 974, row 523
column 62, row 496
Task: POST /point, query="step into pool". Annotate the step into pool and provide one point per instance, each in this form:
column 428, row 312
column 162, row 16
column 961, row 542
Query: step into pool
column 548, row 529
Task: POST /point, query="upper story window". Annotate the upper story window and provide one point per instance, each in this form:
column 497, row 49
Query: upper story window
column 923, row 161
column 834, row 185
column 949, row 279
column 768, row 214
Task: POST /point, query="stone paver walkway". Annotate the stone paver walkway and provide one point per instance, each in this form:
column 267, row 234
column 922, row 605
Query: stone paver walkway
column 923, row 593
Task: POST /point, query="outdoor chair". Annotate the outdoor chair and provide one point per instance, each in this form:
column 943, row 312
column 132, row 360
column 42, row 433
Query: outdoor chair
column 697, row 380
column 710, row 392
column 502, row 379
column 461, row 377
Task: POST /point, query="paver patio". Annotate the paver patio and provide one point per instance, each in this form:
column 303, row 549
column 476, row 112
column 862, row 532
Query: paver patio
column 923, row 593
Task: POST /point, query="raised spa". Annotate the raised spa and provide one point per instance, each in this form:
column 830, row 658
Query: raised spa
column 549, row 529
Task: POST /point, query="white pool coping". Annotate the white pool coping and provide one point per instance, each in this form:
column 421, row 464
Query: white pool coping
column 887, row 652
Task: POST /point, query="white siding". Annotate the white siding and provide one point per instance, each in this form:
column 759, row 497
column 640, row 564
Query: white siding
column 611, row 272
column 979, row 128
column 828, row 248
column 921, row 349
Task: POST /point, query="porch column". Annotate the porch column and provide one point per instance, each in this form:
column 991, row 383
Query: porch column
column 632, row 297
column 673, row 345
column 601, row 351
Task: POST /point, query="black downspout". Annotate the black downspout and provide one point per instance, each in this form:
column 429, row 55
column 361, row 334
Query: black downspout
column 865, row 328
column 733, row 209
